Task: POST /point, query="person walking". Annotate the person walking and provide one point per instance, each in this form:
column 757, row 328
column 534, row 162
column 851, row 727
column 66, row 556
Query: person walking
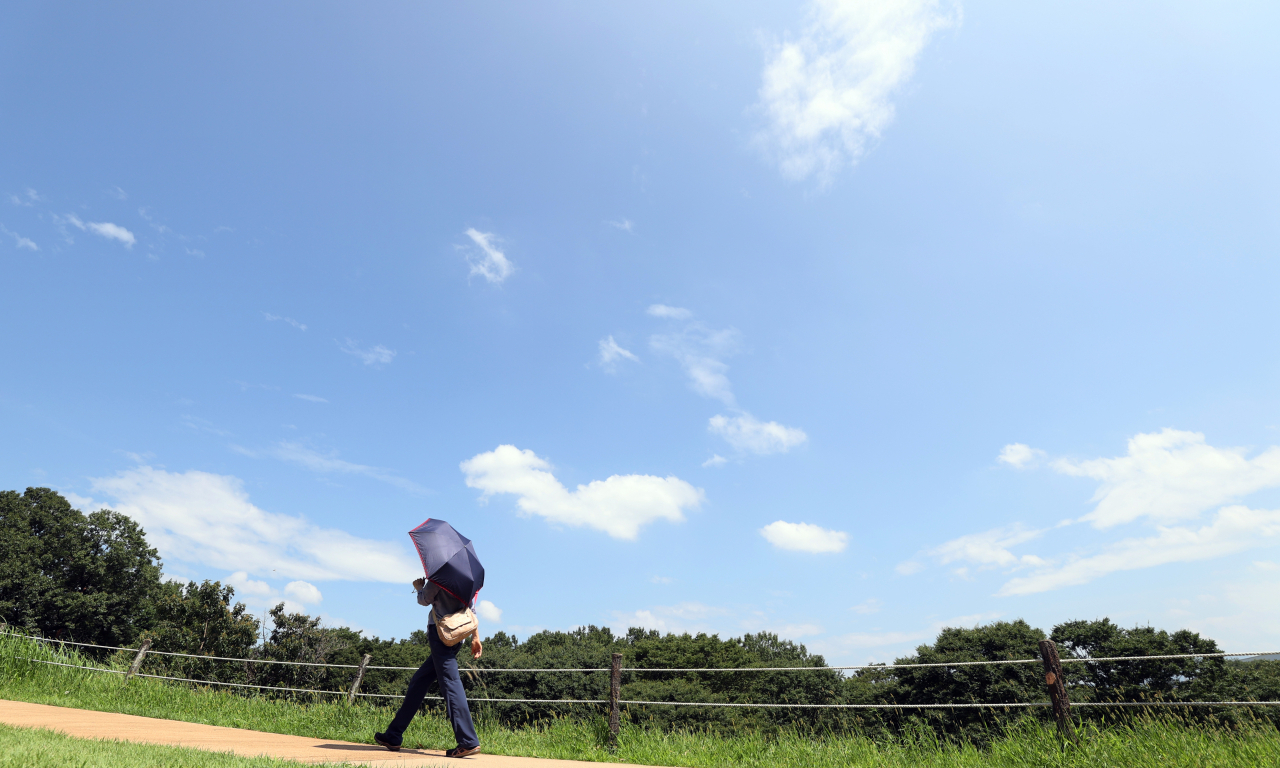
column 441, row 668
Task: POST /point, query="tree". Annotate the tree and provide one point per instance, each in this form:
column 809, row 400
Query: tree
column 1164, row 679
column 200, row 619
column 79, row 577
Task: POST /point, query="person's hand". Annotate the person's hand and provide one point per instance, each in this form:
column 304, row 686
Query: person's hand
column 477, row 647
column 419, row 583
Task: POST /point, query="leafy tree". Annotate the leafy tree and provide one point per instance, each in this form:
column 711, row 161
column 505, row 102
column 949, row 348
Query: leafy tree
column 79, row 577
column 200, row 619
column 989, row 684
column 1164, row 679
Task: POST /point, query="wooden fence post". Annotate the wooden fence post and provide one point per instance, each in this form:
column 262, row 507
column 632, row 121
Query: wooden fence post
column 137, row 660
column 615, row 693
column 1057, row 685
column 355, row 686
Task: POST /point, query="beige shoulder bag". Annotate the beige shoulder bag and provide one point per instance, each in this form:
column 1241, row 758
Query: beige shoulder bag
column 455, row 627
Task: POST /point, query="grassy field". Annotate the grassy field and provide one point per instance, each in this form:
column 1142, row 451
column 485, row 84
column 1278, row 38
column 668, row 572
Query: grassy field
column 34, row 748
column 1159, row 743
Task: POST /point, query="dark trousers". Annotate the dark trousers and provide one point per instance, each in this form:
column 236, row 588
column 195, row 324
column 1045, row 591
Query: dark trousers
column 440, row 667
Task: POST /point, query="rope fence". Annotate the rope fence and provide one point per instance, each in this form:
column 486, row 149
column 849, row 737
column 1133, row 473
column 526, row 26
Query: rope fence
column 1070, row 660
column 1049, row 658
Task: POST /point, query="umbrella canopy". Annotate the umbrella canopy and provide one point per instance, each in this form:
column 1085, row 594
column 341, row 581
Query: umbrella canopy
column 449, row 559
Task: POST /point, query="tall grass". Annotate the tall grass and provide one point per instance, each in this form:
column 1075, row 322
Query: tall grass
column 1158, row 741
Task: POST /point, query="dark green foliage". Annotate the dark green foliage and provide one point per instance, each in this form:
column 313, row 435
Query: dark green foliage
column 200, row 619
column 993, row 684
column 1166, row 679
column 88, row 578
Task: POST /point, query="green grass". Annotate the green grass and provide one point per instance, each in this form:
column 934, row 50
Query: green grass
column 36, row 748
column 1156, row 742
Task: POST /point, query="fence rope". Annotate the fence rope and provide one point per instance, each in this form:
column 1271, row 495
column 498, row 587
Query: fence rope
column 1013, row 705
column 1077, row 659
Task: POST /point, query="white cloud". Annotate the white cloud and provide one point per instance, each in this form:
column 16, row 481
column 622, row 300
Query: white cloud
column 828, row 92
column 748, row 434
column 716, row 460
column 1020, row 456
column 908, row 567
column 288, row 320
column 698, row 350
column 804, row 537
column 297, row 453
column 855, row 642
column 110, row 231
column 689, row 616
column 19, row 241
column 488, row 611
column 198, row 517
column 311, row 398
column 1172, row 475
column 611, row 353
column 661, row 579
column 246, row 586
column 619, row 506
column 623, row 224
column 118, row 193
column 870, row 605
column 1234, row 529
column 303, row 592
column 489, row 262
column 669, row 313
column 377, row 355
column 988, row 549
column 795, row 631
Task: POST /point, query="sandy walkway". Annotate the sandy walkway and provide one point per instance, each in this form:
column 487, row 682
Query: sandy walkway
column 87, row 724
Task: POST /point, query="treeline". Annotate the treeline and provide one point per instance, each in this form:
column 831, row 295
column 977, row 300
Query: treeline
column 93, row 578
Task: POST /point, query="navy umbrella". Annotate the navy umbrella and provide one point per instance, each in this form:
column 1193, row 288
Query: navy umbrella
column 449, row 559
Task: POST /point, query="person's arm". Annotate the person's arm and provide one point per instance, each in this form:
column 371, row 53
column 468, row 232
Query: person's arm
column 477, row 647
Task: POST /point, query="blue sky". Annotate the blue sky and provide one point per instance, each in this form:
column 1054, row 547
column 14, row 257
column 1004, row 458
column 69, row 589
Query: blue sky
column 846, row 320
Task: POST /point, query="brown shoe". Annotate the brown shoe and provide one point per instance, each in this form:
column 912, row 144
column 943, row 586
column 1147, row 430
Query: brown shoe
column 463, row 751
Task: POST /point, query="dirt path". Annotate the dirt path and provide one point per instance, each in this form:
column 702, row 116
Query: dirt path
column 86, row 724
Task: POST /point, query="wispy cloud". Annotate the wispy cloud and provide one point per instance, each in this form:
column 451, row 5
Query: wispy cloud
column 690, row 616
column 1165, row 478
column 989, row 549
column 716, row 460
column 748, row 434
column 311, row 398
column 670, row 313
column 329, row 464
column 118, row 193
column 1234, row 529
column 376, row 355
column 625, row 225
column 18, row 240
column 828, row 92
column 699, row 350
column 198, row 517
column 611, row 353
column 288, row 320
column 112, row 232
column 620, row 505
column 868, row 606
column 27, row 199
column 1020, row 456
column 804, row 537
column 101, row 228
column 486, row 260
